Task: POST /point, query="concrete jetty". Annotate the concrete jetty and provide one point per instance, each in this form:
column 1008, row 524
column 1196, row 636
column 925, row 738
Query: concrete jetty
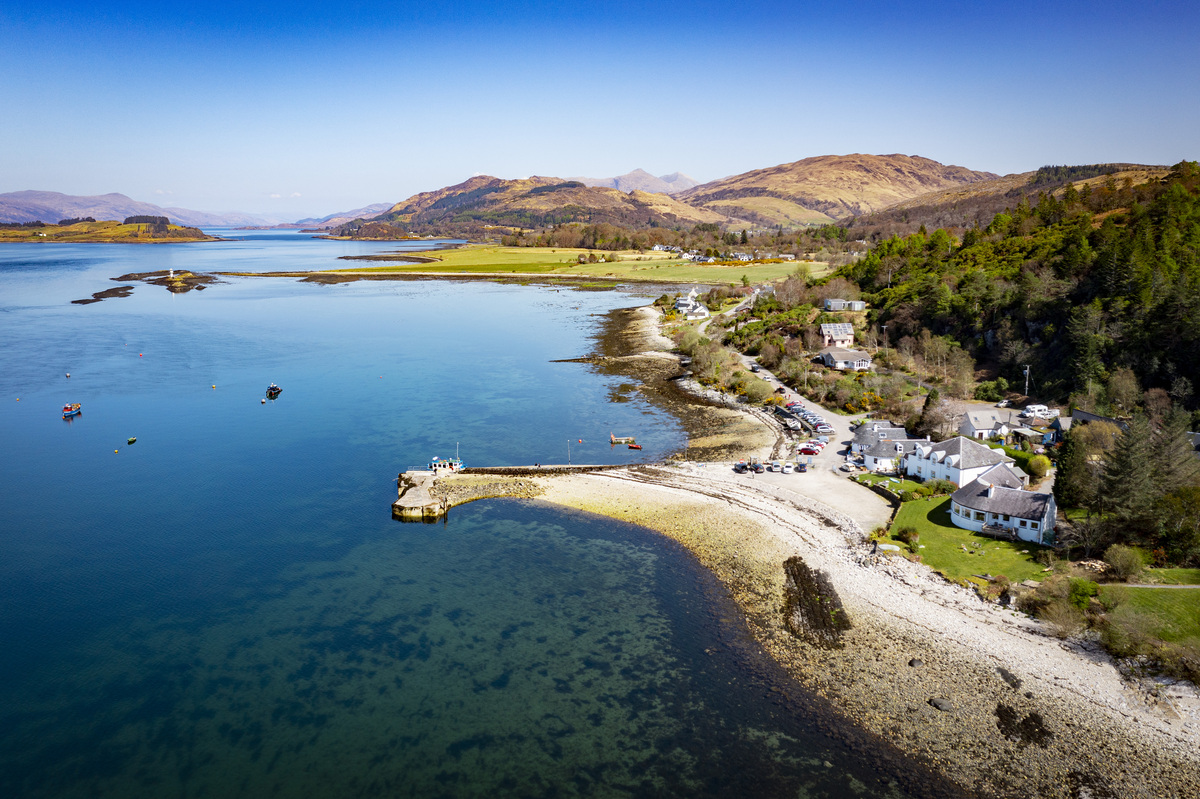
column 414, row 501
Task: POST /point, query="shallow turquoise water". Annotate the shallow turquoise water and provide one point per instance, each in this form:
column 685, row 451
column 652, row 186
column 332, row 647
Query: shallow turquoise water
column 226, row 607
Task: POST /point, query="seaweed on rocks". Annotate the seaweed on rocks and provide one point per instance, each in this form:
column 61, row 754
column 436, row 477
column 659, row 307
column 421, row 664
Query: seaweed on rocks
column 1028, row 729
column 812, row 609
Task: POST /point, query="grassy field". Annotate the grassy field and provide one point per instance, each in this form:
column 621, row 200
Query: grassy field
column 1171, row 576
column 1176, row 609
column 561, row 262
column 944, row 545
column 872, row 479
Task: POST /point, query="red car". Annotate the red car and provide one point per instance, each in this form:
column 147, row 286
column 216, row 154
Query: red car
column 809, row 450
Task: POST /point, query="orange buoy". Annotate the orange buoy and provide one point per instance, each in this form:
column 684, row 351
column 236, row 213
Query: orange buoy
column 214, row 386
column 116, row 450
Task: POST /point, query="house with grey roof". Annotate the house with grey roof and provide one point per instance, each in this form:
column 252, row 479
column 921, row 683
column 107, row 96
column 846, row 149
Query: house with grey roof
column 987, row 424
column 872, row 431
column 837, row 334
column 690, row 307
column 884, row 456
column 959, row 460
column 996, row 502
column 845, row 360
column 834, row 304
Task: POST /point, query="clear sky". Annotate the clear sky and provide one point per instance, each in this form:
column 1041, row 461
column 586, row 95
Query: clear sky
column 304, row 108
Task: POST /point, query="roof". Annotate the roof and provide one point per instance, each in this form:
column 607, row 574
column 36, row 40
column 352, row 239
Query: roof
column 891, row 448
column 870, row 432
column 1062, row 423
column 837, row 329
column 843, row 354
column 1005, row 500
column 1083, row 417
column 1002, row 475
column 989, row 420
column 969, row 454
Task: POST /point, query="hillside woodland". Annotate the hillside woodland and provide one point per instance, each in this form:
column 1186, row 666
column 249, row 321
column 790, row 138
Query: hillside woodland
column 1096, row 290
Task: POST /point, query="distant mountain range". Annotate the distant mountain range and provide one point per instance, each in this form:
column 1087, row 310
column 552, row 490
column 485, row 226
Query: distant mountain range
column 51, row 206
column 815, row 190
column 641, row 180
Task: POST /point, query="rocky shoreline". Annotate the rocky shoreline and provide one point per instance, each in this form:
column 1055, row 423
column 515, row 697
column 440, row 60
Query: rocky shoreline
column 977, row 693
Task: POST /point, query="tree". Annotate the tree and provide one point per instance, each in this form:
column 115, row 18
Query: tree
column 1123, row 389
column 1039, row 465
column 1173, row 457
column 1075, row 481
column 1128, row 489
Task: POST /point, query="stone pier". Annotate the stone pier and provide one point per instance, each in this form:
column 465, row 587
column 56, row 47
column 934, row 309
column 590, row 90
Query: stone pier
column 415, row 502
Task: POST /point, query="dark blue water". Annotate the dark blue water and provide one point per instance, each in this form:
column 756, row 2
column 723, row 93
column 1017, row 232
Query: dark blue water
column 226, row 608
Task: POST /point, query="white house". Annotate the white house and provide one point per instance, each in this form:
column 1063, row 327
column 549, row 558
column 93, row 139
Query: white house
column 872, row 431
column 885, row 456
column 690, row 307
column 845, row 360
column 996, row 500
column 833, row 304
column 959, row 460
column 987, row 424
column 837, row 334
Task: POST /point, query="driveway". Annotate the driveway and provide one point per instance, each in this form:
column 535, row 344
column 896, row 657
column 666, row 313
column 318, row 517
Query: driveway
column 824, row 481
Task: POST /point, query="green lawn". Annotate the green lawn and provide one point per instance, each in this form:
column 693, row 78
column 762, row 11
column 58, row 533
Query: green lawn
column 943, row 545
column 1176, row 609
column 1171, row 576
column 564, row 262
column 903, row 485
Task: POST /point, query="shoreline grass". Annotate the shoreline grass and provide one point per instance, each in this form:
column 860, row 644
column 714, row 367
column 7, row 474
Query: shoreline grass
column 564, row 262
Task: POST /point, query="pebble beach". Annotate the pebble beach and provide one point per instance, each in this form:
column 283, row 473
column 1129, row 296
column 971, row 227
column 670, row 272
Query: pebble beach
column 981, row 694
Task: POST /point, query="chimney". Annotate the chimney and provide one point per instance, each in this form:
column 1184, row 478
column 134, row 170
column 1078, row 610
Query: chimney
column 991, row 491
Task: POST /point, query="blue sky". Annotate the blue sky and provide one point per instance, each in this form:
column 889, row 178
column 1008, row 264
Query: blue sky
column 302, row 108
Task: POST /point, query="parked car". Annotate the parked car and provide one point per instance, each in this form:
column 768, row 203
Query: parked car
column 776, row 466
column 801, row 467
column 740, row 467
column 809, row 450
column 789, row 467
column 824, row 428
column 758, row 468
column 1003, row 404
column 755, row 367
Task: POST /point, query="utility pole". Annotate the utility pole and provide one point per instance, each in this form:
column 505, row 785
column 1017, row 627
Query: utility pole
column 568, row 452
column 1026, row 380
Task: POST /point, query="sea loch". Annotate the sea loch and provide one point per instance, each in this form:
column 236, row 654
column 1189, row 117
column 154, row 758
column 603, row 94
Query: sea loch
column 227, row 608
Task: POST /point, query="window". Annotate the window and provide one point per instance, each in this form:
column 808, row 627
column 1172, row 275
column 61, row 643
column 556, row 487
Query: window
column 978, row 516
column 1006, row 517
column 1033, row 525
column 1023, row 523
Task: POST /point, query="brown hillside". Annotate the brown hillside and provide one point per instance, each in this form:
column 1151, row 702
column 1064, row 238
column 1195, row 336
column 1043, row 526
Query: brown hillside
column 537, row 202
column 960, row 207
column 829, row 186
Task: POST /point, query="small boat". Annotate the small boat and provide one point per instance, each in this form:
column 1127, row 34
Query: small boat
column 634, row 446
column 620, row 439
column 447, row 465
column 273, row 391
column 72, row 409
column 132, row 440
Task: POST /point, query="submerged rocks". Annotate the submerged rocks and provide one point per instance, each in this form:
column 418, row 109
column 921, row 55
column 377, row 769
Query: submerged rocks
column 812, row 610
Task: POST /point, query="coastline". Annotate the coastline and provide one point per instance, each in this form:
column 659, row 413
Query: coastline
column 1018, row 713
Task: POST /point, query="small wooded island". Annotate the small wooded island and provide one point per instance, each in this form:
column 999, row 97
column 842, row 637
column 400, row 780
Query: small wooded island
column 135, row 229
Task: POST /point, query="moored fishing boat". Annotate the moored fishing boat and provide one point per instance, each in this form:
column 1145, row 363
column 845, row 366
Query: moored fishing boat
column 72, row 409
column 448, row 465
column 273, row 391
column 634, row 446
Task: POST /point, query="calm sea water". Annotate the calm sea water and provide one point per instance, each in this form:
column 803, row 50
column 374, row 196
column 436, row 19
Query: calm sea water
column 226, row 608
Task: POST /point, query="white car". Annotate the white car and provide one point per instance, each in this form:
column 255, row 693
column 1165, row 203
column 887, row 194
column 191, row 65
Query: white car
column 776, row 466
column 788, row 468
